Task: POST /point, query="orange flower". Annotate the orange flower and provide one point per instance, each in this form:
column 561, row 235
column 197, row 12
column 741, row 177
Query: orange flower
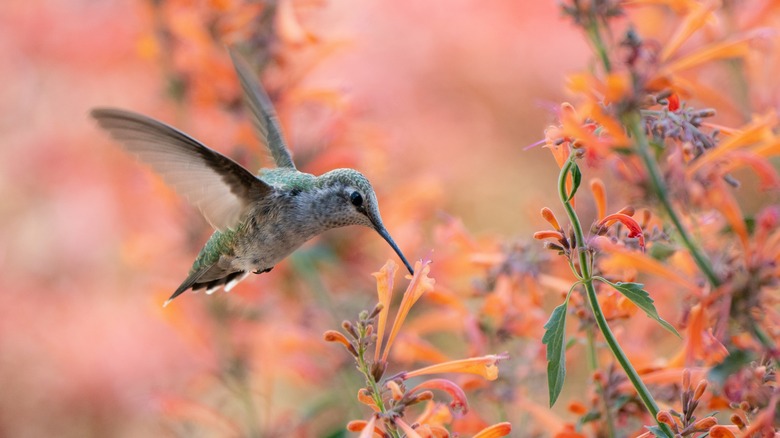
column 621, row 257
column 495, row 431
column 485, row 366
column 549, row 234
column 737, row 48
column 760, row 129
column 700, row 344
column 420, row 284
column 384, row 289
column 699, row 15
column 549, row 216
column 459, row 401
column 435, row 414
column 599, row 196
column 634, row 230
column 367, row 429
column 410, row 433
column 367, row 400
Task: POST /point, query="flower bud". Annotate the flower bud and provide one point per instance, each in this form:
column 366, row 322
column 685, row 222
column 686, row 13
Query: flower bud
column 705, row 423
column 666, row 418
column 700, row 388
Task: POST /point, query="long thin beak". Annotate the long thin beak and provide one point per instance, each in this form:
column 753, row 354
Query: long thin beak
column 385, row 235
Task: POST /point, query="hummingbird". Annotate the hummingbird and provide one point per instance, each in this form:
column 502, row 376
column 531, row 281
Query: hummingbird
column 258, row 219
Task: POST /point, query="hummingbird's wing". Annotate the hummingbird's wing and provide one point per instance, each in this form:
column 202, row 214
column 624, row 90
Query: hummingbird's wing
column 263, row 115
column 220, row 188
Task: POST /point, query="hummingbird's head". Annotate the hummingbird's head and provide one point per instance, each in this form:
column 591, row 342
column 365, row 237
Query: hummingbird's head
column 357, row 204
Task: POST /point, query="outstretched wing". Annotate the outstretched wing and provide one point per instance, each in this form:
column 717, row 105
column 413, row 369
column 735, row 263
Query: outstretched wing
column 263, row 114
column 218, row 186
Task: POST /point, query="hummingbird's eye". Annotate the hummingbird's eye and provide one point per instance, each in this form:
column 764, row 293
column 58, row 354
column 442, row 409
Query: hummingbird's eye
column 356, row 199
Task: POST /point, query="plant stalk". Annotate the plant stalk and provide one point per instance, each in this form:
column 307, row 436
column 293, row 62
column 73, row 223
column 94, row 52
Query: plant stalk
column 601, row 321
column 633, row 122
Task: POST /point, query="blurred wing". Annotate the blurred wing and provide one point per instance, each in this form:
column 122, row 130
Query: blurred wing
column 220, row 188
column 263, row 115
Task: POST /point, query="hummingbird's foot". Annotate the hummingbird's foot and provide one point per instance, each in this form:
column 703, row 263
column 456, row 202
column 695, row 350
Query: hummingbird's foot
column 258, row 272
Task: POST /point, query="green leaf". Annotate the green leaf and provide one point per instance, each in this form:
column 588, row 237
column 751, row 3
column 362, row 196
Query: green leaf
column 589, row 416
column 657, row 431
column 576, row 177
column 640, row 297
column 661, row 251
column 555, row 330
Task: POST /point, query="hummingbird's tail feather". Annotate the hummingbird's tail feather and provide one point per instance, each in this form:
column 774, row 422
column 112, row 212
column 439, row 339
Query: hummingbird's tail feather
column 195, row 281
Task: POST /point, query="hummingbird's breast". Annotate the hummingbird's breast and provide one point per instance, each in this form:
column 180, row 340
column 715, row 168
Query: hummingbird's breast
column 275, row 228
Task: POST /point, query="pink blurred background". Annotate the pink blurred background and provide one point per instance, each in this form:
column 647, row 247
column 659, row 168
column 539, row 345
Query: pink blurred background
column 90, row 244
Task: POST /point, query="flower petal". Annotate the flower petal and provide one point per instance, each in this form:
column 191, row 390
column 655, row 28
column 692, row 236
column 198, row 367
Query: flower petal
column 495, row 431
column 384, row 289
column 420, row 284
column 485, row 366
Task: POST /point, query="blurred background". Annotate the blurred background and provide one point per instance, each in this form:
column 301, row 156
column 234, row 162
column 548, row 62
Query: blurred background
column 435, row 102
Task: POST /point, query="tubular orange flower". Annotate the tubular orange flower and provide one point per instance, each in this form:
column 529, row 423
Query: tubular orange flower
column 435, row 414
column 334, row 336
column 666, row 418
column 705, row 423
column 459, row 401
column 757, row 130
column 495, row 431
column 621, row 257
column 384, row 289
column 395, row 390
column 420, row 284
column 700, row 344
column 599, row 196
column 548, row 234
column 554, row 141
column 610, row 124
column 634, row 230
column 368, row 428
column 367, row 400
column 618, row 85
column 720, row 431
column 549, row 216
column 728, row 49
column 485, row 366
column 696, row 18
column 287, row 25
column 762, row 167
column 410, row 433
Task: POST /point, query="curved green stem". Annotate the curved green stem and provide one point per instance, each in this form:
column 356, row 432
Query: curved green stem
column 601, row 321
column 633, row 122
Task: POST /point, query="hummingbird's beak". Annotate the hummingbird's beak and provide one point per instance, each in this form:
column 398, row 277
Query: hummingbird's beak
column 385, row 235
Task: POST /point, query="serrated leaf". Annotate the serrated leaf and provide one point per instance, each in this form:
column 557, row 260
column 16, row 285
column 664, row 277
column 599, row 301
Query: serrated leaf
column 576, row 178
column 555, row 330
column 640, row 297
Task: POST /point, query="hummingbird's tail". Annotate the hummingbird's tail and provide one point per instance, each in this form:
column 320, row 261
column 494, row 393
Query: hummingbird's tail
column 196, row 281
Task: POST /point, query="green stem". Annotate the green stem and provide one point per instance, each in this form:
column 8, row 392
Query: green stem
column 593, row 361
column 598, row 44
column 375, row 392
column 601, row 321
column 633, row 122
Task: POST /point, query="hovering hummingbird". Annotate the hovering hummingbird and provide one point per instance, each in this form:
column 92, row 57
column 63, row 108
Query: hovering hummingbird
column 259, row 220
